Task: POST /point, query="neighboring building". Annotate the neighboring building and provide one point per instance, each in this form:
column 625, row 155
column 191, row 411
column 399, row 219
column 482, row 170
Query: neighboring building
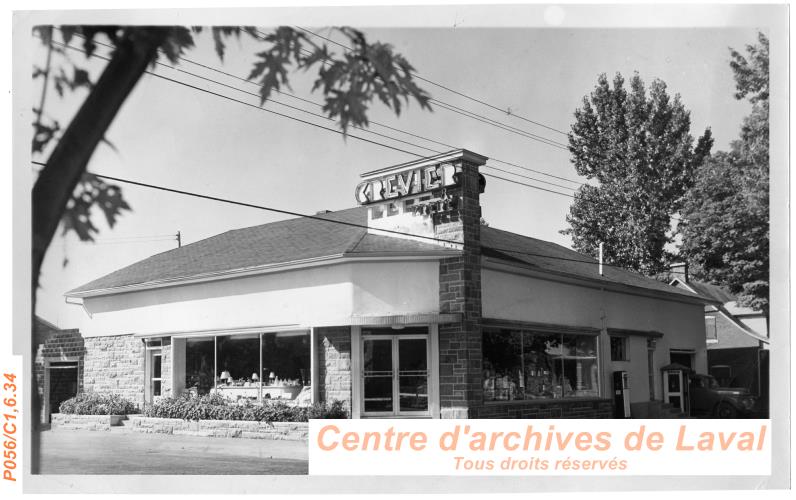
column 736, row 337
column 454, row 320
column 58, row 366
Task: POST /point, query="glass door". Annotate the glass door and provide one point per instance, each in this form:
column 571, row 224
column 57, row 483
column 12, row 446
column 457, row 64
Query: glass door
column 395, row 375
column 377, row 363
column 412, row 375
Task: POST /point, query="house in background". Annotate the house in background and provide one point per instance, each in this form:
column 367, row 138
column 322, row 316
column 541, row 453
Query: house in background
column 736, row 337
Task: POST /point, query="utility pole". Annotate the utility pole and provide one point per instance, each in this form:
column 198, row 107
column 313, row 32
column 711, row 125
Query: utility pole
column 179, row 240
column 601, row 258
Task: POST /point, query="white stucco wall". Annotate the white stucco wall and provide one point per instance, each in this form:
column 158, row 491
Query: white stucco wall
column 318, row 296
column 515, row 297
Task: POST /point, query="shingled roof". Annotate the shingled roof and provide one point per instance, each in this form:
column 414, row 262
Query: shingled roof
column 551, row 257
column 301, row 239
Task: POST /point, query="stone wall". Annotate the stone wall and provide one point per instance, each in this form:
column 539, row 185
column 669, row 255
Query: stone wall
column 84, row 422
column 115, row 364
column 334, row 364
column 291, row 431
column 596, row 408
column 460, row 292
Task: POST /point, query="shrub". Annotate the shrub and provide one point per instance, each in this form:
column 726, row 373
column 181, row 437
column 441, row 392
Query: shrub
column 94, row 403
column 215, row 407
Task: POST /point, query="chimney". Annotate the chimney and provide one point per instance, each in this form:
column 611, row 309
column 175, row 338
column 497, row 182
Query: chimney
column 439, row 198
column 679, row 271
column 431, row 198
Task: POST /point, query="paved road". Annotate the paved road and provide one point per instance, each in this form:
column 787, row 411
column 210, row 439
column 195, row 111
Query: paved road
column 124, row 452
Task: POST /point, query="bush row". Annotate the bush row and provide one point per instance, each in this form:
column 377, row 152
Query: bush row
column 215, row 407
column 94, row 403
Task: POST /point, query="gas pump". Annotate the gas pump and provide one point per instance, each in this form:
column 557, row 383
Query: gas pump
column 621, row 395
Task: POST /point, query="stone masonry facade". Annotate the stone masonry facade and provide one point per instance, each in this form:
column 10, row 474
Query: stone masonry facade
column 460, row 292
column 115, row 364
column 334, row 364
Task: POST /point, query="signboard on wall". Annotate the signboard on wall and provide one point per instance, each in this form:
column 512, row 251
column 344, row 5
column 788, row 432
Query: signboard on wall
column 414, row 181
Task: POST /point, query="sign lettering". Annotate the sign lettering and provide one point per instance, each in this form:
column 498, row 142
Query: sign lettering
column 406, row 183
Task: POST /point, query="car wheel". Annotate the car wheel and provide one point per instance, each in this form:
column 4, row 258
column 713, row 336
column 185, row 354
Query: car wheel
column 725, row 410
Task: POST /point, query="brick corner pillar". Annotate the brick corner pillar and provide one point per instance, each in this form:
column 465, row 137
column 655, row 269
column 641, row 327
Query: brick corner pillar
column 461, row 391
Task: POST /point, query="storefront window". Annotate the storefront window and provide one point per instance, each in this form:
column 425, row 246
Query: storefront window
column 251, row 367
column 502, row 365
column 541, row 371
column 199, row 362
column 523, row 365
column 286, row 365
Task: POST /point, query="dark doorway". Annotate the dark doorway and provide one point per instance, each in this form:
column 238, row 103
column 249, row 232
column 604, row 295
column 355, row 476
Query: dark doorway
column 682, row 358
column 764, row 367
column 63, row 384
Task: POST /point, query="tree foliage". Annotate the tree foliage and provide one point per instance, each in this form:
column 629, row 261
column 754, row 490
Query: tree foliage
column 639, row 150
column 726, row 236
column 349, row 82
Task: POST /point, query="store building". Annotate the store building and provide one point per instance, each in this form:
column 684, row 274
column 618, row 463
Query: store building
column 404, row 306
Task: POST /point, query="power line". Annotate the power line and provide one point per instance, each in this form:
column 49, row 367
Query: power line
column 282, row 92
column 322, row 127
column 415, row 75
column 277, row 113
column 526, row 177
column 476, row 116
column 200, row 89
column 333, row 221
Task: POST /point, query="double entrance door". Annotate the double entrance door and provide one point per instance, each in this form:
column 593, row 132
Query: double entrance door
column 395, row 375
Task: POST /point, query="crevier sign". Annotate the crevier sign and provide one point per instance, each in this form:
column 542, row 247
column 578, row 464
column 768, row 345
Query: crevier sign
column 408, row 182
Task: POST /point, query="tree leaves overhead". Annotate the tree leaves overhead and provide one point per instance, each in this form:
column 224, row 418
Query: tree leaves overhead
column 349, row 81
column 726, row 236
column 92, row 192
column 637, row 146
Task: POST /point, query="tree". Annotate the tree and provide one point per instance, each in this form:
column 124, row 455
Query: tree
column 726, row 234
column 639, row 150
column 64, row 192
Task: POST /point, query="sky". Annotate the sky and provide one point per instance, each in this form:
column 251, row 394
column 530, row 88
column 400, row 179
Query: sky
column 174, row 136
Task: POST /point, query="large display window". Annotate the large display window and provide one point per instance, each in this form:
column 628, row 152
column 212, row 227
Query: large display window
column 251, row 367
column 199, row 365
column 524, row 364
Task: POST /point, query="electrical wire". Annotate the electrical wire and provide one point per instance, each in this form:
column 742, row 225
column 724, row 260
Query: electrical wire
column 476, row 116
column 280, row 114
column 320, row 126
column 333, row 221
column 462, row 94
column 282, row 92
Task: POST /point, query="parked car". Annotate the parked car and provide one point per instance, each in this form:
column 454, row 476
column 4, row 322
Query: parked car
column 708, row 398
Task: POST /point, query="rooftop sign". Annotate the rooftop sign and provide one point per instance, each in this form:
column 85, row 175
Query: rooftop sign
column 394, row 185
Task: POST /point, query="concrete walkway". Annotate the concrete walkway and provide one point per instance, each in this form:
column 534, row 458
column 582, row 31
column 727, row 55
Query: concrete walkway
column 123, row 452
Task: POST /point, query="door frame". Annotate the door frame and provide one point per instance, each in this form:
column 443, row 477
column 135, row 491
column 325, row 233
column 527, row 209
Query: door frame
column 47, row 368
column 150, row 353
column 357, row 372
column 683, row 393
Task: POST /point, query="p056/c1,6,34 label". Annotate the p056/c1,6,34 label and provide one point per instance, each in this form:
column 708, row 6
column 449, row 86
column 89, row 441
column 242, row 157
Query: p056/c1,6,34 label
column 9, row 426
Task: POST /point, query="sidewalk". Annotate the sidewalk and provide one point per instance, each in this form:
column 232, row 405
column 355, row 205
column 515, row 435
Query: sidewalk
column 122, row 452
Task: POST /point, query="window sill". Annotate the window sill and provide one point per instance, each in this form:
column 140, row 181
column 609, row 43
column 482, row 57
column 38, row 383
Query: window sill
column 546, row 400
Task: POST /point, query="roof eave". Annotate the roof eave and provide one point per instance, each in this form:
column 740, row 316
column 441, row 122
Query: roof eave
column 258, row 270
column 594, row 282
